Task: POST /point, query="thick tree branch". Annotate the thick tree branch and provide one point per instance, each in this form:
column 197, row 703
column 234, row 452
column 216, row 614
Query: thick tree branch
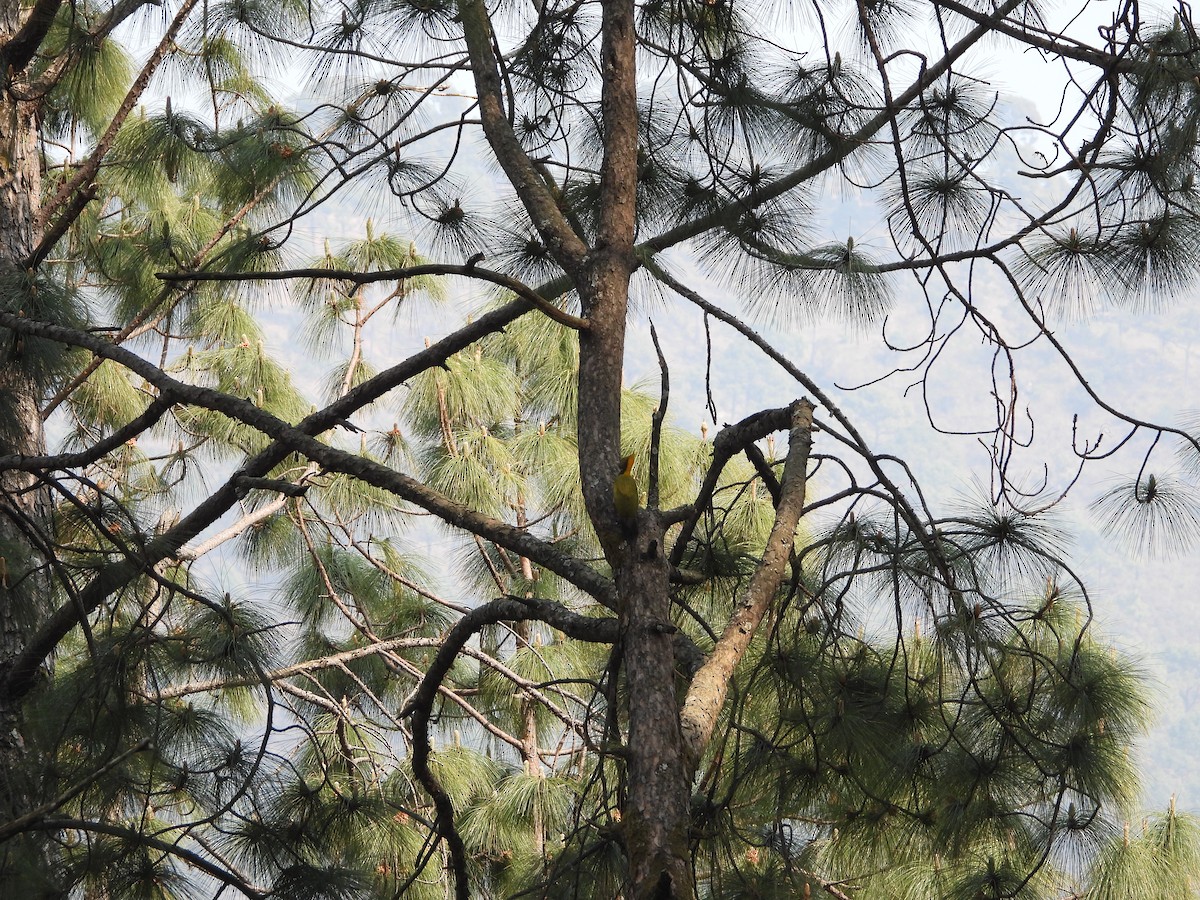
column 120, row 11
column 657, row 818
column 604, row 286
column 16, row 54
column 61, row 226
column 567, row 247
column 1059, row 45
column 706, row 694
column 504, row 609
column 619, row 113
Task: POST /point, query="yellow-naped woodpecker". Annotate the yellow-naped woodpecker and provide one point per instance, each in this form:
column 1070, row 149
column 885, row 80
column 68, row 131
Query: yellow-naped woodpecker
column 625, row 497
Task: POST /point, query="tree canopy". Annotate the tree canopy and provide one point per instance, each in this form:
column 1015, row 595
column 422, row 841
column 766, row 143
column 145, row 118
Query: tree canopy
column 313, row 330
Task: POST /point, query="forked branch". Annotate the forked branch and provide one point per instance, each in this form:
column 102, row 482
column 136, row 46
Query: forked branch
column 706, row 695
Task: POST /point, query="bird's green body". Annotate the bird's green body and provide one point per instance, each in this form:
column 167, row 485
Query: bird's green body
column 625, row 496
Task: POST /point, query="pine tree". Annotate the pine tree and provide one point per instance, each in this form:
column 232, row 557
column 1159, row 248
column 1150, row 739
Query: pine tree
column 236, row 655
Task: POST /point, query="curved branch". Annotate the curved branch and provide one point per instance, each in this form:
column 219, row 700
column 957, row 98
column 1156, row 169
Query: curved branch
column 420, row 705
column 853, row 438
column 469, row 270
column 829, row 159
column 15, row 462
column 726, row 445
column 1078, row 374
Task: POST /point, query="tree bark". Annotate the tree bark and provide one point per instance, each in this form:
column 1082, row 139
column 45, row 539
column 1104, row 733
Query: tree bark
column 604, row 290
column 23, row 587
column 656, row 816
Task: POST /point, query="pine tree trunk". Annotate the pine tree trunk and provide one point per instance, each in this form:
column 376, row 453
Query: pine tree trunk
column 22, row 582
column 656, row 814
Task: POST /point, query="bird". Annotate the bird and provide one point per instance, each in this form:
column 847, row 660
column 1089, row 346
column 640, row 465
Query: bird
column 625, row 497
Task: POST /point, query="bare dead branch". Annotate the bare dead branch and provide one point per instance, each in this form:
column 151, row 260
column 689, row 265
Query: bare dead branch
column 706, row 693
